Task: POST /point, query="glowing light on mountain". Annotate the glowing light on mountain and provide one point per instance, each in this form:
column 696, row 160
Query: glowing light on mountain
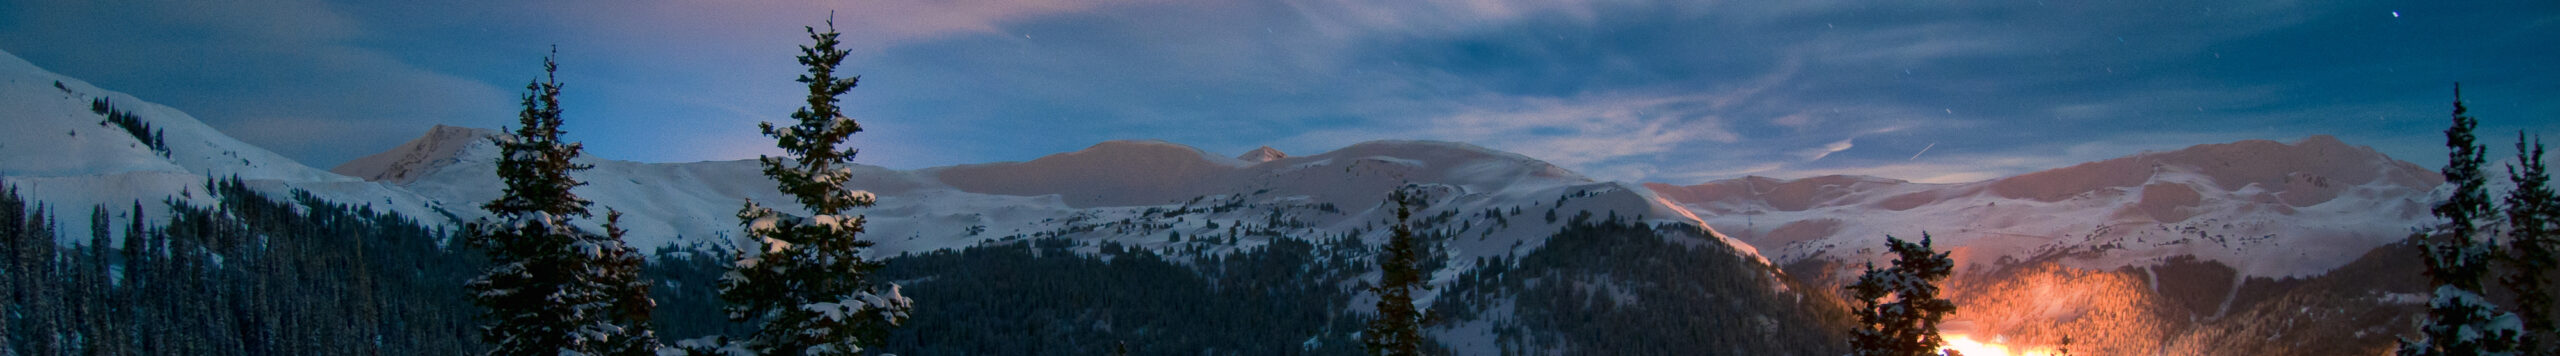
column 1966, row 345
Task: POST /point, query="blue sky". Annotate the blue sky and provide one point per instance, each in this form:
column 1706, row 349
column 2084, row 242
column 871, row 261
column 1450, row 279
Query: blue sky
column 1675, row 91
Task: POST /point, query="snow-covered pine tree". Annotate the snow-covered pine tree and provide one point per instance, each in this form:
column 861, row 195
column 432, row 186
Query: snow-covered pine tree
column 2531, row 209
column 553, row 289
column 2460, row 321
column 805, row 277
column 1397, row 329
column 617, row 272
column 1908, row 325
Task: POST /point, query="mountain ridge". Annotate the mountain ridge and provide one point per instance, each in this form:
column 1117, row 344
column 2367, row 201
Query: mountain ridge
column 1262, row 154
column 2240, row 203
column 2261, row 183
column 73, row 159
column 956, row 206
column 2259, row 210
column 402, row 163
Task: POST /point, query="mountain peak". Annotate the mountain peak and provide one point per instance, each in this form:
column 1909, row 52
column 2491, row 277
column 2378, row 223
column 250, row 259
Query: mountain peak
column 1116, row 172
column 441, row 146
column 1264, row 154
column 2233, row 165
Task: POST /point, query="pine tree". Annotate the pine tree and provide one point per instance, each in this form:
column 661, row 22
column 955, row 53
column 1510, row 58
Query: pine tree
column 133, row 240
column 2460, row 321
column 534, row 164
column 137, row 276
column 97, row 314
column 2531, row 210
column 1397, row 330
column 1908, row 325
column 38, row 286
column 11, row 210
column 617, row 268
column 553, row 289
column 807, row 280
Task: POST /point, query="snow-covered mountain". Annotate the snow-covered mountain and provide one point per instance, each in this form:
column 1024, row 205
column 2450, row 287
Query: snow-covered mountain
column 1139, row 193
column 62, row 151
column 2251, row 247
column 2265, row 208
column 1485, row 205
column 1133, row 192
column 2277, row 218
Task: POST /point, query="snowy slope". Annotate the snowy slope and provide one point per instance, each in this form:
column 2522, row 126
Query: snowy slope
column 58, row 152
column 1140, row 194
column 661, row 202
column 2265, row 208
column 1133, row 192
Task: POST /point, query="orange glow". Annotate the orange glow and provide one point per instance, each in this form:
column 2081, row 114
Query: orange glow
column 1967, row 345
column 2036, row 307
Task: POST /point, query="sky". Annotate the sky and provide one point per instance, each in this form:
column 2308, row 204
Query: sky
column 1680, row 91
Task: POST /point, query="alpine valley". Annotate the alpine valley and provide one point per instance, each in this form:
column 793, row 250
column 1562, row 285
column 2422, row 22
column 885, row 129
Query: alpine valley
column 2242, row 248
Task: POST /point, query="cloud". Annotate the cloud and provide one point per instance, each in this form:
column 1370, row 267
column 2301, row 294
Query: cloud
column 288, row 75
column 1827, row 150
column 1353, row 20
column 270, row 71
column 1613, row 136
column 1799, row 88
column 1676, row 91
column 869, row 25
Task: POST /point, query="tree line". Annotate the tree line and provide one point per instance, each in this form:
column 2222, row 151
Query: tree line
column 156, row 139
column 257, row 275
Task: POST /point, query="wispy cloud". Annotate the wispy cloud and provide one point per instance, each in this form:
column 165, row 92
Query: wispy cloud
column 1615, row 136
column 288, row 75
column 870, row 25
column 1826, row 150
column 1672, row 91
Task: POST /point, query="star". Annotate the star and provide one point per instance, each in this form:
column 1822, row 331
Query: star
column 2395, row 14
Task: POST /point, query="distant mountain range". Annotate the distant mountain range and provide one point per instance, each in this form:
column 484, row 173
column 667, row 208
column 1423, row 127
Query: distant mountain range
column 1133, row 192
column 2270, row 214
column 2266, row 208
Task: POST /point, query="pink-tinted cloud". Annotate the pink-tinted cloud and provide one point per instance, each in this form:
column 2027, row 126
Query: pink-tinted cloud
column 869, row 25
